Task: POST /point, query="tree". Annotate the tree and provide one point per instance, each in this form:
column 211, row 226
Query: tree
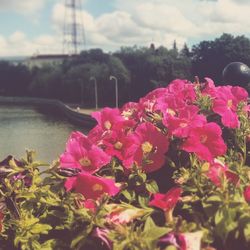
column 14, row 79
column 209, row 58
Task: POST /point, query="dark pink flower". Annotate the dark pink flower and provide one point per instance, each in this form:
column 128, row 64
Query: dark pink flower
column 108, row 118
column 208, row 88
column 226, row 102
column 206, row 142
column 120, row 144
column 247, row 193
column 232, row 177
column 91, row 187
column 182, row 89
column 90, row 204
column 151, row 147
column 1, row 221
column 130, row 111
column 216, row 172
column 167, row 201
column 82, row 154
column 124, row 214
column 149, row 102
column 187, row 118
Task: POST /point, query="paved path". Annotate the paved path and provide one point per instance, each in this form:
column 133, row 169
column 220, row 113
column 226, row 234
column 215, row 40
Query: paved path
column 77, row 108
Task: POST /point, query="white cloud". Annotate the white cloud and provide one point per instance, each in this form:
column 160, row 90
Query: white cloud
column 22, row 6
column 18, row 44
column 137, row 22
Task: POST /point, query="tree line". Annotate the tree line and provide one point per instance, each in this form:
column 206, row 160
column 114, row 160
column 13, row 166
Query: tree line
column 137, row 69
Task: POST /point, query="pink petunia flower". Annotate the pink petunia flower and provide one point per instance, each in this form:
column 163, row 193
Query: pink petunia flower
column 226, row 102
column 183, row 90
column 122, row 215
column 166, row 201
column 130, row 111
column 120, row 144
column 82, row 154
column 187, row 118
column 90, row 204
column 208, row 88
column 206, row 142
column 91, row 187
column 247, row 193
column 149, row 102
column 1, row 220
column 108, row 118
column 216, row 171
column 151, row 148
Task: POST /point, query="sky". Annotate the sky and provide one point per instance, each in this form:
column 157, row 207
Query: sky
column 31, row 27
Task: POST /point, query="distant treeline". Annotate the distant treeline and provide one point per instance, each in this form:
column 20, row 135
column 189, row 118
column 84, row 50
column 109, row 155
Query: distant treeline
column 138, row 70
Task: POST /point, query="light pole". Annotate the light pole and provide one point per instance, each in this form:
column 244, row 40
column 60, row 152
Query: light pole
column 116, row 89
column 96, row 94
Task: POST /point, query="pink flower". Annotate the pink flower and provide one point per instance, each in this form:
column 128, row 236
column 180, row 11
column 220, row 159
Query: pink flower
column 216, row 172
column 226, row 102
column 151, row 148
column 130, row 111
column 232, row 177
column 122, row 215
column 186, row 119
column 1, row 220
column 108, row 118
column 247, row 193
column 174, row 239
column 167, row 201
column 90, row 204
column 149, row 102
column 206, row 142
column 82, row 154
column 208, row 88
column 120, row 144
column 183, row 90
column 91, row 187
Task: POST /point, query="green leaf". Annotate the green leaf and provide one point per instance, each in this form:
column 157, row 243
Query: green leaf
column 128, row 194
column 152, row 187
column 246, row 231
column 171, row 248
column 48, row 245
column 219, row 216
column 40, row 229
column 153, row 232
column 143, row 200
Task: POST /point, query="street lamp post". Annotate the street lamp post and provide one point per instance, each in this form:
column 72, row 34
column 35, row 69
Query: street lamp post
column 116, row 89
column 96, row 94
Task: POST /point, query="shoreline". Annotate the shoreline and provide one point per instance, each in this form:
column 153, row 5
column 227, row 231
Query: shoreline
column 76, row 116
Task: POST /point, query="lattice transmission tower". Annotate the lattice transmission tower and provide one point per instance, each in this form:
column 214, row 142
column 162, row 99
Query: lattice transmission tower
column 73, row 31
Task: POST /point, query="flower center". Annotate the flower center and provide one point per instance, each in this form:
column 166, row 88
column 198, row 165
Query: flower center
column 147, row 147
column 171, row 112
column 107, row 125
column 85, row 162
column 203, row 138
column 118, row 145
column 97, row 187
column 229, row 103
column 183, row 124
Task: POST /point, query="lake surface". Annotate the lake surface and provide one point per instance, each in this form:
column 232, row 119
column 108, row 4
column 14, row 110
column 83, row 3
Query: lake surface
column 23, row 127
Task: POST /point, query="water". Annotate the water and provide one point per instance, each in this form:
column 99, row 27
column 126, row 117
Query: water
column 23, row 127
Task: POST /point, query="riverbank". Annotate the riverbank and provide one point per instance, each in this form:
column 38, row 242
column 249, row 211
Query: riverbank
column 78, row 116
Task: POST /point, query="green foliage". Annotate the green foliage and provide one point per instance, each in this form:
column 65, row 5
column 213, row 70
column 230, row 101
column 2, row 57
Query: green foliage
column 209, row 58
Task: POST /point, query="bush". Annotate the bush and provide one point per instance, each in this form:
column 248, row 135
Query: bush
column 168, row 172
